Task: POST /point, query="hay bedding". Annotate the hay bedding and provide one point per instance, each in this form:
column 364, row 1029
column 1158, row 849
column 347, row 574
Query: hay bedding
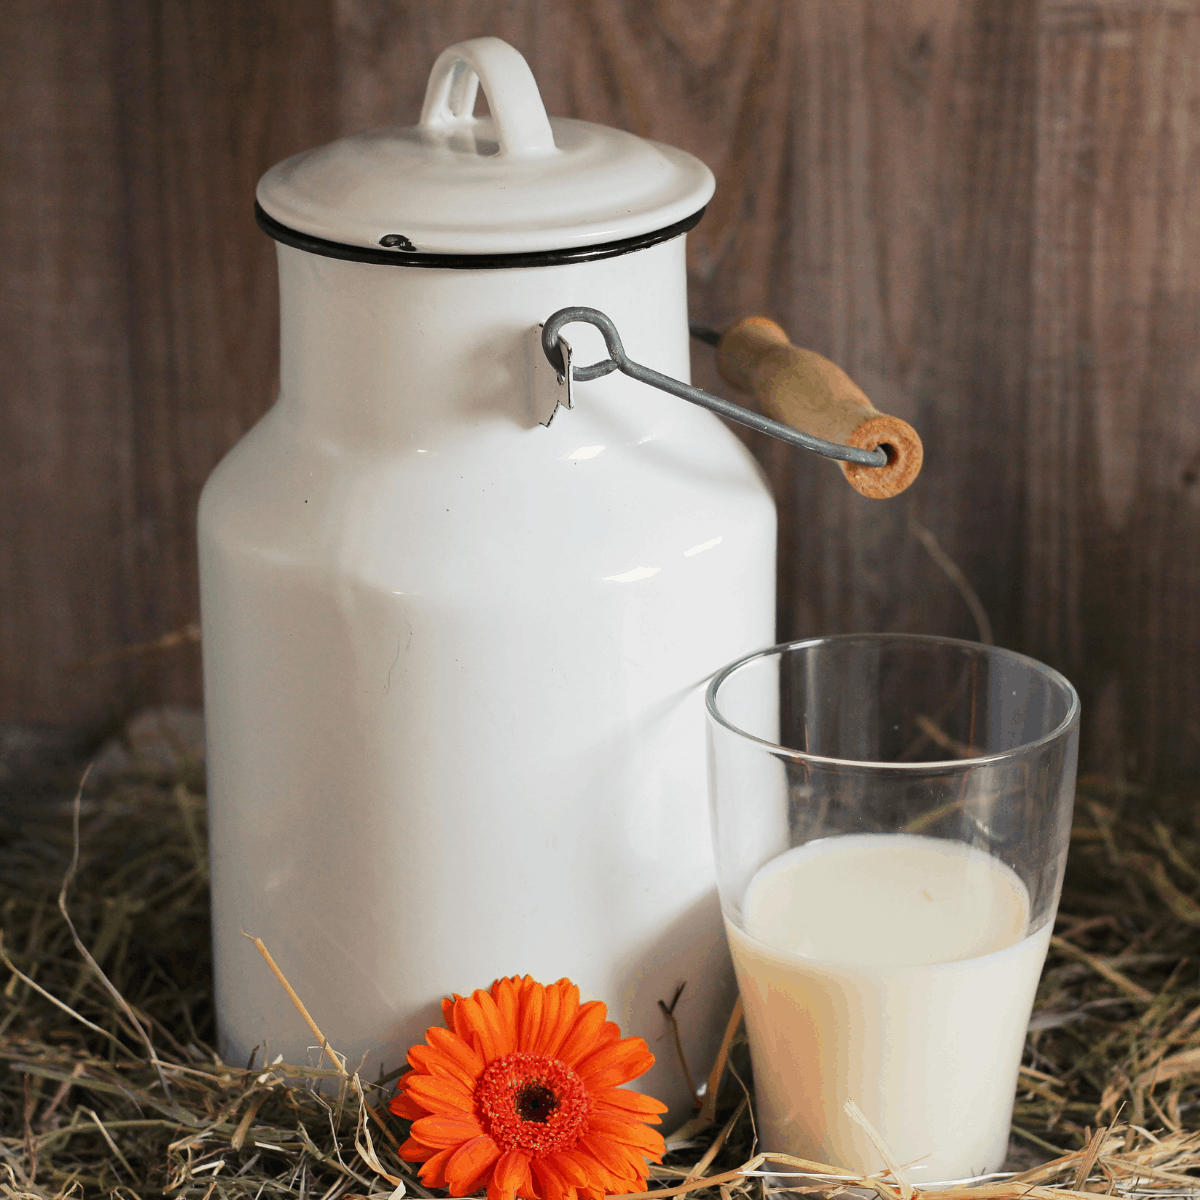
column 110, row 1086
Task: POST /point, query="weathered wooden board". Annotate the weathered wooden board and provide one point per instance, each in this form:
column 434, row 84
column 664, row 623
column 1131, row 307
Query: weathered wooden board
column 987, row 211
column 65, row 468
column 139, row 315
column 1111, row 588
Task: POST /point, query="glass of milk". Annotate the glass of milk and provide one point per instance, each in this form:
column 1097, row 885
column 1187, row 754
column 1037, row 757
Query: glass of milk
column 890, row 819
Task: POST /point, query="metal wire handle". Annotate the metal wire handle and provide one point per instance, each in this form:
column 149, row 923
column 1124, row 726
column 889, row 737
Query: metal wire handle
column 619, row 361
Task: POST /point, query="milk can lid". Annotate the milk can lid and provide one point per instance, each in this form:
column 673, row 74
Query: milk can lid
column 513, row 183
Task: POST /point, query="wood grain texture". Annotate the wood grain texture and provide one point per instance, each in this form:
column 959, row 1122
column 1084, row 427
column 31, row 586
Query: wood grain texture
column 139, row 320
column 1113, row 526
column 986, row 211
column 65, row 479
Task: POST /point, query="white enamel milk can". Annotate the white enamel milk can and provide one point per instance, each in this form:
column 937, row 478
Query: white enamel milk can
column 454, row 657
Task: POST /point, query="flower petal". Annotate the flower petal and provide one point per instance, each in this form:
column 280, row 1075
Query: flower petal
column 556, row 1028
column 629, row 1133
column 610, row 1155
column 610, row 1184
column 433, row 1062
column 456, row 1050
column 472, row 1025
column 618, row 1062
column 625, row 1100
column 599, row 1182
column 504, row 1035
column 567, row 1014
column 504, row 992
column 469, row 1163
column 551, row 1015
column 551, row 1008
column 408, row 1110
column 533, row 1000
column 550, row 1183
column 581, row 1041
column 445, row 1097
column 415, row 1150
column 458, row 1022
column 637, row 1164
column 509, row 1175
column 569, row 1167
column 433, row 1173
column 442, row 1132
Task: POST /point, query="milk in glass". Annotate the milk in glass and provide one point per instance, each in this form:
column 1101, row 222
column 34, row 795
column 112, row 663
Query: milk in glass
column 897, row 971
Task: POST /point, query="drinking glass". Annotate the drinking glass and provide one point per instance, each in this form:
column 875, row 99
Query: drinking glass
column 890, row 818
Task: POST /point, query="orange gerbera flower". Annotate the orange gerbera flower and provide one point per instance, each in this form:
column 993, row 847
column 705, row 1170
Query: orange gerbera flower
column 520, row 1092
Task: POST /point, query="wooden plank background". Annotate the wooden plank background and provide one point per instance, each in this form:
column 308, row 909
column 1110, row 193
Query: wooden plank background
column 988, row 211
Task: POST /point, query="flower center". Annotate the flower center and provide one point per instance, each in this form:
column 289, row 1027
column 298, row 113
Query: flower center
column 536, row 1102
column 532, row 1102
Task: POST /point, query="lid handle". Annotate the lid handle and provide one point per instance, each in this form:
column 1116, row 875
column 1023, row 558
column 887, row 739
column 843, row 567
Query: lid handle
column 522, row 127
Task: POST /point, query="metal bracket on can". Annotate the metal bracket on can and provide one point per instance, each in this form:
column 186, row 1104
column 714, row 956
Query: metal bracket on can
column 552, row 385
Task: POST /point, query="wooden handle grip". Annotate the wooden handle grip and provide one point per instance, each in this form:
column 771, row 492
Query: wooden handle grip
column 812, row 394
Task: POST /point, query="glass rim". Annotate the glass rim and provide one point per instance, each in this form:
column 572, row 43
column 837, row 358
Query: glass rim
column 1054, row 677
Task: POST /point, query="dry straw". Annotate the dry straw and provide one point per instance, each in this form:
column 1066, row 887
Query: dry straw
column 110, row 1086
